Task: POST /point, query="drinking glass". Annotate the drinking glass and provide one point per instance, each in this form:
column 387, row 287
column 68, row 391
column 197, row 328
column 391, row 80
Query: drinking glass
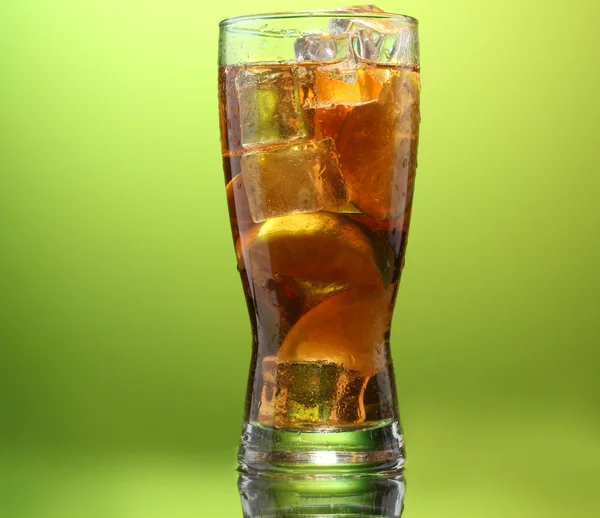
column 319, row 116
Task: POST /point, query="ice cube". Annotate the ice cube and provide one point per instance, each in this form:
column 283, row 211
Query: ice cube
column 329, row 86
column 383, row 41
column 297, row 394
column 400, row 47
column 269, row 106
column 316, row 47
column 304, row 177
column 376, row 39
column 328, row 73
column 340, row 25
column 367, row 43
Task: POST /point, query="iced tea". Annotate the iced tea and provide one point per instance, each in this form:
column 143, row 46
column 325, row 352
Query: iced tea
column 319, row 156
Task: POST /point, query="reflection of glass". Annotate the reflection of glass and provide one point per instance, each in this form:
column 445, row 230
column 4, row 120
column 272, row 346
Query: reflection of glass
column 365, row 496
column 319, row 125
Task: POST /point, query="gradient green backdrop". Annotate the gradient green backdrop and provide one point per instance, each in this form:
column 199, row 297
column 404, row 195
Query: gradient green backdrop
column 124, row 338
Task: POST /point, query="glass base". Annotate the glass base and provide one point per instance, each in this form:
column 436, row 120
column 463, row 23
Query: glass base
column 374, row 449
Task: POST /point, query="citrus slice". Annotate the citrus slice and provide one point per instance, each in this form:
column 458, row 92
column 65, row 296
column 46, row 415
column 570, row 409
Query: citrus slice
column 377, row 146
column 237, row 201
column 319, row 247
column 347, row 329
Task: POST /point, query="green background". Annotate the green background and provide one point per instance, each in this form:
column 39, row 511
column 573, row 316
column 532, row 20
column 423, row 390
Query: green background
column 124, row 337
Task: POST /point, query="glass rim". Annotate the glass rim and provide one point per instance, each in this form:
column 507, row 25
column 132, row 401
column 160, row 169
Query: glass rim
column 282, row 15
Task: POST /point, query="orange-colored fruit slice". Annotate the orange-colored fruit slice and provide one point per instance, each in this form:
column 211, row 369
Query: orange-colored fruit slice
column 377, row 146
column 319, row 247
column 347, row 329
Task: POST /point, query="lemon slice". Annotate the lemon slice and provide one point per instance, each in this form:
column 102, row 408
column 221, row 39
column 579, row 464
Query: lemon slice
column 377, row 146
column 319, row 247
column 347, row 329
column 237, row 201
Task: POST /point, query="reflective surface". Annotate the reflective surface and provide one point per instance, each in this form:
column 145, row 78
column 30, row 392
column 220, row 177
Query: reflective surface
column 367, row 497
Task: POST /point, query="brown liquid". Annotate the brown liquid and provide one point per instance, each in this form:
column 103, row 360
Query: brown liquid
column 320, row 165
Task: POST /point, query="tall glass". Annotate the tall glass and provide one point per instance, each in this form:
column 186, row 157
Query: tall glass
column 319, row 125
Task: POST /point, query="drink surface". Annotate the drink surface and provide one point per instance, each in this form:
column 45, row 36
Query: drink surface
column 319, row 158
